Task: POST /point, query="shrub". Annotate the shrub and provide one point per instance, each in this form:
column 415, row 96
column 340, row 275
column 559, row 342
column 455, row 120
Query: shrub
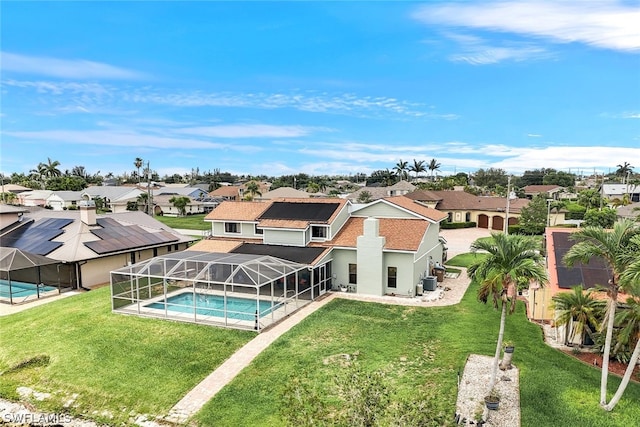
column 454, row 225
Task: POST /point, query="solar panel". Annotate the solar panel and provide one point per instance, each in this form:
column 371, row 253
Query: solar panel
column 590, row 275
column 297, row 254
column 119, row 238
column 317, row 212
column 36, row 237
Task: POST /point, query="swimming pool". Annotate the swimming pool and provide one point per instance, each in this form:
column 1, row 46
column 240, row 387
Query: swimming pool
column 21, row 289
column 213, row 305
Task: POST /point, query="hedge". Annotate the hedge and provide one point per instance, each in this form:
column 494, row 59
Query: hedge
column 452, row 225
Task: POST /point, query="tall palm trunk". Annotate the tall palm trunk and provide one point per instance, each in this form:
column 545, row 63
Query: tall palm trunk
column 611, row 312
column 625, row 379
column 496, row 358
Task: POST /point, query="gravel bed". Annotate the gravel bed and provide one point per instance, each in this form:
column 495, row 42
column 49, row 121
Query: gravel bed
column 473, row 388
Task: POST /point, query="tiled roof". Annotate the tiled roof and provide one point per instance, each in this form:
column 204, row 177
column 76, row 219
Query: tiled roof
column 417, row 208
column 226, row 191
column 282, row 192
column 535, row 189
column 399, row 234
column 461, row 200
column 237, row 211
column 215, row 245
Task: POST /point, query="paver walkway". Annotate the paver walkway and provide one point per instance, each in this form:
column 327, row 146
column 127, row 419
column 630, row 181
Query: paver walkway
column 193, row 401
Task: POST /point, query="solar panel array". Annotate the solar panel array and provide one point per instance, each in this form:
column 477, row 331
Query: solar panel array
column 289, row 253
column 116, row 237
column 37, row 237
column 592, row 274
column 315, row 212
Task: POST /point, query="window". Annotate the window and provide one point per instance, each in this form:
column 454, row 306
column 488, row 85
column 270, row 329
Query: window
column 257, row 230
column 392, row 274
column 231, row 227
column 450, row 217
column 318, row 232
column 353, row 274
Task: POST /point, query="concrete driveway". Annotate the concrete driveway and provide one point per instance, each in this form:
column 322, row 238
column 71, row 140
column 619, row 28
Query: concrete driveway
column 459, row 240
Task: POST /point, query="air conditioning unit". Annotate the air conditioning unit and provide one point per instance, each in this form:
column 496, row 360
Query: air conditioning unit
column 430, row 283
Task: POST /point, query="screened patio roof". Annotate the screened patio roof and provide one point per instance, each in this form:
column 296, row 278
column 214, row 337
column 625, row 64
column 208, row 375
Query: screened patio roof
column 211, row 267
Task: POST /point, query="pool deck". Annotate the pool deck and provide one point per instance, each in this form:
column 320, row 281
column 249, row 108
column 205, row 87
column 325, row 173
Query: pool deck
column 7, row 309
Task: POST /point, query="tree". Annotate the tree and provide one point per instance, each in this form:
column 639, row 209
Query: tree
column 180, row 203
column 629, row 318
column 364, row 196
column 50, row 169
column 533, row 217
column 66, row 183
column 417, row 167
column 251, row 190
column 402, row 169
column 433, row 166
column 557, row 205
column 512, row 261
column 138, row 162
column 8, row 197
column 579, row 311
column 490, row 178
column 614, row 247
column 590, row 198
column 563, row 179
column 624, row 169
column 143, row 201
column 604, row 218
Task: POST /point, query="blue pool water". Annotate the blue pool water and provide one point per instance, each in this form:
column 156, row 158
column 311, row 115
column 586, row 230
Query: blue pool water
column 21, row 289
column 213, row 305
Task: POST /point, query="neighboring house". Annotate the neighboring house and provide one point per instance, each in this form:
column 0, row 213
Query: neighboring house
column 13, row 188
column 115, row 197
column 460, row 206
column 549, row 191
column 618, row 191
column 284, row 192
column 227, row 192
column 192, row 192
column 10, row 216
column 375, row 193
column 89, row 245
column 165, row 207
column 61, row 200
column 34, row 197
column 561, row 277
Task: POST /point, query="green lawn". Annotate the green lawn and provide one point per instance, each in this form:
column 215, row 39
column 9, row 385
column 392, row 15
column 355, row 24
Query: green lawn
column 189, row 222
column 421, row 350
column 114, row 363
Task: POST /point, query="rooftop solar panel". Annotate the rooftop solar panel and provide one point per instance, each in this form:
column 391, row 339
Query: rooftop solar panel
column 291, row 253
column 36, row 237
column 122, row 238
column 318, row 212
column 592, row 274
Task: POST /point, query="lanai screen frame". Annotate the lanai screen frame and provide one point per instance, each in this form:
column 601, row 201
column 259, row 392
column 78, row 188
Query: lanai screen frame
column 261, row 277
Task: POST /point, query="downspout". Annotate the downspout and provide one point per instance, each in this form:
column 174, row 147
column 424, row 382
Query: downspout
column 79, row 275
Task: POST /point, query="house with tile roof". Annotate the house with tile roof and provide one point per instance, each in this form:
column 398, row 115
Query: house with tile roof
column 549, row 191
column 384, row 247
column 375, row 193
column 88, row 245
column 460, row 206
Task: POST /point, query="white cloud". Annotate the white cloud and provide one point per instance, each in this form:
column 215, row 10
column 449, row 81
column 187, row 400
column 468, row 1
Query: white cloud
column 249, row 131
column 484, row 55
column 124, row 138
column 630, row 115
column 64, row 68
column 599, row 23
column 534, row 135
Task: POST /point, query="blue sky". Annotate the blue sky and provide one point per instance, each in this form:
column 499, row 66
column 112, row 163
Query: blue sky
column 320, row 87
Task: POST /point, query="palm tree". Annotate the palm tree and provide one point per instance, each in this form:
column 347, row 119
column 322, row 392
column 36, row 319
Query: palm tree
column 402, row 169
column 143, row 200
column 50, row 168
column 630, row 318
column 251, row 190
column 180, row 203
column 624, row 169
column 433, row 166
column 612, row 246
column 578, row 311
column 512, row 261
column 417, row 167
column 557, row 205
column 138, row 162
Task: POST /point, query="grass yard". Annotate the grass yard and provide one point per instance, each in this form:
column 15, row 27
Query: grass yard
column 117, row 365
column 421, row 350
column 189, row 222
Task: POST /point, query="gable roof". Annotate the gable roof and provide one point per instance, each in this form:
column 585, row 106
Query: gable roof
column 536, row 189
column 226, row 191
column 410, row 205
column 285, row 192
column 399, row 234
column 113, row 193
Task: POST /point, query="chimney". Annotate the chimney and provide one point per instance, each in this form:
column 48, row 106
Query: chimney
column 88, row 212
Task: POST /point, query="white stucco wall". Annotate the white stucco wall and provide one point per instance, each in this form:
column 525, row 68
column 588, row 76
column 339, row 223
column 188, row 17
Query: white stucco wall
column 284, row 237
column 383, row 210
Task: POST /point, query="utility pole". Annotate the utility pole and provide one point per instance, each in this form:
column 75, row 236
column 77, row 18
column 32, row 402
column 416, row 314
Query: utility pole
column 506, row 220
column 149, row 204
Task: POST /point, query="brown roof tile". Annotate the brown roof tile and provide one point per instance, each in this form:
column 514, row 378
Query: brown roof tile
column 237, row 211
column 399, row 234
column 461, row 200
column 411, row 205
column 283, row 223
